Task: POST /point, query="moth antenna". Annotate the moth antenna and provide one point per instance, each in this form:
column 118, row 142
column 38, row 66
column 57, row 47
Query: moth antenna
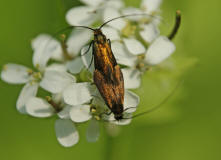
column 71, row 27
column 129, row 15
column 66, row 29
column 158, row 105
column 176, row 26
column 84, row 27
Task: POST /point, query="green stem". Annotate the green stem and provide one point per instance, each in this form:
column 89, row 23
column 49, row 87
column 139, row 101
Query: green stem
column 109, row 147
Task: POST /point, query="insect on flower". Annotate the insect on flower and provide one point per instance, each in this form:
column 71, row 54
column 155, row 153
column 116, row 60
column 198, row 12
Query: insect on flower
column 108, row 77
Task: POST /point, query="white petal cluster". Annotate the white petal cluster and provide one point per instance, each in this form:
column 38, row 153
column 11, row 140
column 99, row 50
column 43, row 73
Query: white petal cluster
column 60, row 65
column 138, row 52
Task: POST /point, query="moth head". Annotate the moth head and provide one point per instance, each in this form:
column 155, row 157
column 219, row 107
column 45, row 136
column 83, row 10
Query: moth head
column 99, row 36
column 118, row 112
column 118, row 116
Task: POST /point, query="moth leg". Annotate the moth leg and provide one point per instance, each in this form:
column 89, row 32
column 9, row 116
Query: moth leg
column 107, row 113
column 109, row 42
column 129, row 108
column 88, row 48
column 91, row 61
column 92, row 58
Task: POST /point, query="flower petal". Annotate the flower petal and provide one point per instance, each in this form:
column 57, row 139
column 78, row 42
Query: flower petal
column 131, row 78
column 150, row 5
column 134, row 46
column 65, row 112
column 93, row 131
column 80, row 113
column 159, row 50
column 131, row 100
column 92, row 2
column 110, row 13
column 132, row 10
column 111, row 33
column 122, row 56
column 66, row 133
column 57, row 98
column 15, row 74
column 28, row 91
column 77, row 93
column 149, row 32
column 75, row 65
column 44, row 46
column 122, row 121
column 114, row 4
column 56, row 67
column 38, row 107
column 55, row 81
column 78, row 39
column 87, row 58
column 83, row 15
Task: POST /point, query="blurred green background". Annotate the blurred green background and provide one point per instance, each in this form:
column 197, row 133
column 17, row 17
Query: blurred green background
column 195, row 135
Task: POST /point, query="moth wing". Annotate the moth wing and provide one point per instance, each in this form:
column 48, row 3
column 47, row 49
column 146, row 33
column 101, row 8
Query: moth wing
column 119, row 85
column 104, row 88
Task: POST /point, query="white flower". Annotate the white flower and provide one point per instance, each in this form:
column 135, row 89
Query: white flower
column 85, row 103
column 45, row 47
column 131, row 101
column 92, row 12
column 80, row 113
column 93, row 131
column 159, row 50
column 66, row 132
column 129, row 51
column 69, row 106
column 99, row 111
column 77, row 93
column 130, row 55
column 150, row 6
column 110, row 13
column 28, row 91
column 56, row 81
column 136, row 45
column 53, row 78
column 39, row 107
column 18, row 74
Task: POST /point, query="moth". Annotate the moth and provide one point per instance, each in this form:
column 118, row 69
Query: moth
column 108, row 76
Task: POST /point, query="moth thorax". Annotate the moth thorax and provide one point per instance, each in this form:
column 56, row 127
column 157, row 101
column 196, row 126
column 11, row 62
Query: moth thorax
column 99, row 36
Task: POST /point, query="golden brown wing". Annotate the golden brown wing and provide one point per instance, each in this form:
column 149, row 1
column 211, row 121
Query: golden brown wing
column 119, row 85
column 104, row 88
column 111, row 91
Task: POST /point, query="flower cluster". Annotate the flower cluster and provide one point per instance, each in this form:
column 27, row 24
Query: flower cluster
column 63, row 70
